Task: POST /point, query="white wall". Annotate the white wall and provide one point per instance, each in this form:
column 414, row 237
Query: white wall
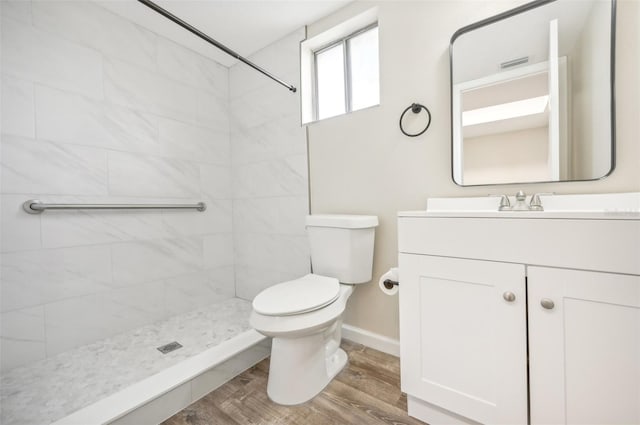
column 511, row 156
column 270, row 182
column 361, row 163
column 97, row 109
column 590, row 95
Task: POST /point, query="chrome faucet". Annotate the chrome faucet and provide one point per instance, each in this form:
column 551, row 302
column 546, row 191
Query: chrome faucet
column 521, row 205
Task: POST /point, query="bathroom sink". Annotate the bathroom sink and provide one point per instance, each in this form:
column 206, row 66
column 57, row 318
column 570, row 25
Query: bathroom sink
column 605, row 205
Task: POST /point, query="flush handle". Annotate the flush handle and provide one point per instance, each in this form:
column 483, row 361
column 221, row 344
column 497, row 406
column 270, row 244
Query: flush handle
column 547, row 303
column 509, row 296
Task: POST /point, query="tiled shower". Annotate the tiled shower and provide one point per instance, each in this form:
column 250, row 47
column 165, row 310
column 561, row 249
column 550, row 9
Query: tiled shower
column 97, row 109
column 269, row 165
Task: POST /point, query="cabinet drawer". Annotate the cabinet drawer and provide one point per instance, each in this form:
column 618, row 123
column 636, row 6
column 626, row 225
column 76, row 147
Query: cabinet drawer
column 605, row 245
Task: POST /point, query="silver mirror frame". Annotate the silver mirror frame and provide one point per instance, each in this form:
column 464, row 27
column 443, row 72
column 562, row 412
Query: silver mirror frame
column 508, row 14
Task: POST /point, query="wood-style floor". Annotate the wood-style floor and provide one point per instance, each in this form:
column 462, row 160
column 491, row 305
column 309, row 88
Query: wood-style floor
column 367, row 391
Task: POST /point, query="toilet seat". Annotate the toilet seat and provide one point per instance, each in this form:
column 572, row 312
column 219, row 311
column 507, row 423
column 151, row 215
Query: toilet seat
column 303, row 295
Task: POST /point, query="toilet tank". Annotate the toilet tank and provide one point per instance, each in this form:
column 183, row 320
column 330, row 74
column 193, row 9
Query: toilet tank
column 342, row 246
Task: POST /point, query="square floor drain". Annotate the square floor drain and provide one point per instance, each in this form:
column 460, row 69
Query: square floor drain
column 167, row 348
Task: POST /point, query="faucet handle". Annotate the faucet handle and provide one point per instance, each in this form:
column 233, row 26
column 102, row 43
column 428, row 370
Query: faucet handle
column 535, row 204
column 505, row 205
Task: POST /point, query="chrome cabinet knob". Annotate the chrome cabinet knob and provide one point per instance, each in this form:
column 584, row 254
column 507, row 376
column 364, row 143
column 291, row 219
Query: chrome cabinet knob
column 509, row 296
column 547, row 303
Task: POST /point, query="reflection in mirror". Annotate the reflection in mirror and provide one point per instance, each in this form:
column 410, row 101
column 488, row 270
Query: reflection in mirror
column 532, row 95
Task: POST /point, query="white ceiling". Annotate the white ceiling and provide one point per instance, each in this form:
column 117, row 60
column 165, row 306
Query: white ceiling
column 480, row 52
column 244, row 26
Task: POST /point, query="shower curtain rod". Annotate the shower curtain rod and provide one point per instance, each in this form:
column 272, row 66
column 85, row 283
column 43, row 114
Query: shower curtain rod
column 210, row 40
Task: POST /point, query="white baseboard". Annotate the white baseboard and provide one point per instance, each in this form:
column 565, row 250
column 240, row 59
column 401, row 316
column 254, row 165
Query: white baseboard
column 371, row 339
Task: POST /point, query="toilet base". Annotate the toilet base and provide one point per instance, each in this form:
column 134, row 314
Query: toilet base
column 336, row 363
column 301, row 368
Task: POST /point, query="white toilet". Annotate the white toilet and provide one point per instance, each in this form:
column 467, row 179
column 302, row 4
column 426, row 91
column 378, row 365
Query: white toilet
column 304, row 316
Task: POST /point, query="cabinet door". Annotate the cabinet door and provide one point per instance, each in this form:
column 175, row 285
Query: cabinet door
column 584, row 350
column 463, row 344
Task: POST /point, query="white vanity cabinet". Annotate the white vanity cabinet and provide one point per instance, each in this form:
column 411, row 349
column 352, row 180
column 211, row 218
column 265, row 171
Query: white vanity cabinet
column 520, row 320
column 462, row 342
column 584, row 351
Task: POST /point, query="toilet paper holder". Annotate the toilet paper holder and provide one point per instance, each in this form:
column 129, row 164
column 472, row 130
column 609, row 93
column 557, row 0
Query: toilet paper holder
column 389, row 284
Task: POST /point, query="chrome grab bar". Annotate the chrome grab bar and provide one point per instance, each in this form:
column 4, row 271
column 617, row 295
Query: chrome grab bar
column 34, row 206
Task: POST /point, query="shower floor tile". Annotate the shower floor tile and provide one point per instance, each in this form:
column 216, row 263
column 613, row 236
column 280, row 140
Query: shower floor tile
column 47, row 390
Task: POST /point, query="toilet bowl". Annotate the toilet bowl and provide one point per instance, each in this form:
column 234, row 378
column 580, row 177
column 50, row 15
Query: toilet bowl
column 305, row 351
column 304, row 316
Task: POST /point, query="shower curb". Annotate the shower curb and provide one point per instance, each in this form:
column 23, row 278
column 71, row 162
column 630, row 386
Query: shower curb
column 160, row 396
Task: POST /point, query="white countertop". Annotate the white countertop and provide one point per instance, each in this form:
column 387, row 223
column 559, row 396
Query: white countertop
column 566, row 215
column 606, row 206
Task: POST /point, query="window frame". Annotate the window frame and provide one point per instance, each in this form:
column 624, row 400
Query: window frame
column 346, row 56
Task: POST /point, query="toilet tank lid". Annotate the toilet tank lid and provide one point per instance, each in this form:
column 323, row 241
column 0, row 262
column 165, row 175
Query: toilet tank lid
column 343, row 221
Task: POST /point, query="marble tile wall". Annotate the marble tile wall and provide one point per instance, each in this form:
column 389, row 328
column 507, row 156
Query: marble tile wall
column 98, row 109
column 270, row 182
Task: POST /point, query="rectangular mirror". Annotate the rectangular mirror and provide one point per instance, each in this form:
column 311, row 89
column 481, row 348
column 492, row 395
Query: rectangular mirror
column 532, row 94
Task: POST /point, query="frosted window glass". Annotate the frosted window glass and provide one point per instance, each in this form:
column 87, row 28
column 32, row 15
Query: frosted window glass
column 363, row 63
column 330, row 80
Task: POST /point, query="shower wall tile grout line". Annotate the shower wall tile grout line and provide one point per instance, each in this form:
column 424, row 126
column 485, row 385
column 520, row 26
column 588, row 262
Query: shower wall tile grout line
column 93, row 101
column 143, row 266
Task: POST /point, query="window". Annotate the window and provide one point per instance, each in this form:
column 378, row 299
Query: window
column 347, row 74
